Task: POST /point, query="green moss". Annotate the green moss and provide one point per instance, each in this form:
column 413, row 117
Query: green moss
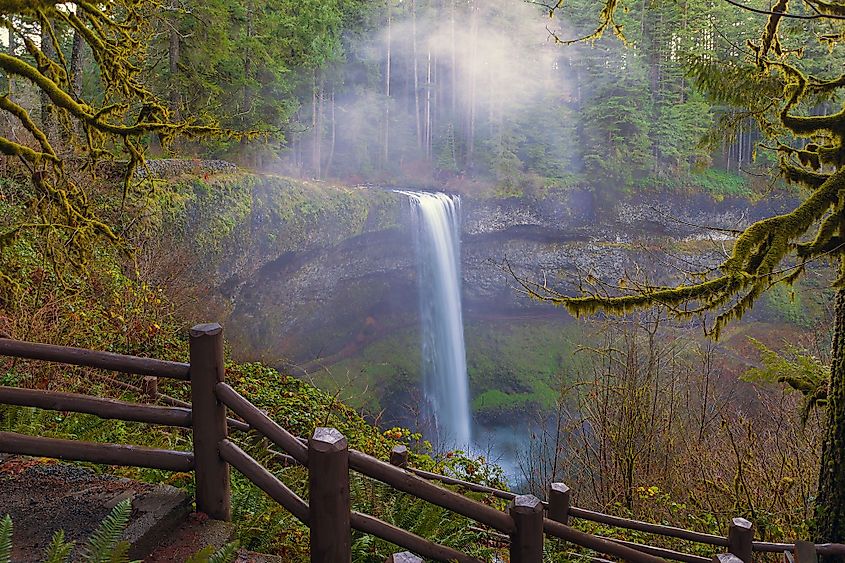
column 511, row 364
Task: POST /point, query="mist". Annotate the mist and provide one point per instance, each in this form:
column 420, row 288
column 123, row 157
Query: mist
column 439, row 95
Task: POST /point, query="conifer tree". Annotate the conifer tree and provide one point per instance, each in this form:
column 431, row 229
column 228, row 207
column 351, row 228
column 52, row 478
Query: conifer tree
column 798, row 107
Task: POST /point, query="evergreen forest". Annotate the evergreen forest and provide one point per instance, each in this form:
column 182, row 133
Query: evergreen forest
column 642, row 206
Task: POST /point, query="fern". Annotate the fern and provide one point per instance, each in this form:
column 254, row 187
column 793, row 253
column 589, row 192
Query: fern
column 59, row 549
column 225, row 554
column 6, row 539
column 202, row 555
column 103, row 546
column 120, row 553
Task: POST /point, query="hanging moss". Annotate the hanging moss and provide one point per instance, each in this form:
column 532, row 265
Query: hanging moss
column 117, row 33
column 773, row 250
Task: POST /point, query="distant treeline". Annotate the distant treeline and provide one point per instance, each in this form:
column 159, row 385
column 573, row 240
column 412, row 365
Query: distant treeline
column 430, row 91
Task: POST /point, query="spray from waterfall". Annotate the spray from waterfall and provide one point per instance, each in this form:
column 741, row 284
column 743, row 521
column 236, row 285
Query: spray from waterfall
column 438, row 229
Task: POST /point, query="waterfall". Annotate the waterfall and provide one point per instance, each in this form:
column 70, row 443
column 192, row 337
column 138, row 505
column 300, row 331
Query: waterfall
column 438, row 229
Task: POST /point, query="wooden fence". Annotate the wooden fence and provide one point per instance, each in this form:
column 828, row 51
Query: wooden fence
column 326, row 455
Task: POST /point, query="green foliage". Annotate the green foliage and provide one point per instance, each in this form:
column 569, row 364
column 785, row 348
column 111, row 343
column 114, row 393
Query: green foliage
column 250, row 65
column 720, row 183
column 788, row 305
column 104, row 545
column 616, row 137
column 225, row 554
column 6, row 539
column 795, row 367
column 59, row 550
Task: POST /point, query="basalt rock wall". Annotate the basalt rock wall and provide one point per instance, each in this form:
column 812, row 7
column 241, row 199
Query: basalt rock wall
column 312, row 271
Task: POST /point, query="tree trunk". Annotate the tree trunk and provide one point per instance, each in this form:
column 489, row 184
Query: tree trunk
column 48, row 118
column 10, row 84
column 454, row 85
column 428, row 108
column 333, row 138
column 416, row 73
column 173, row 54
column 76, row 65
column 830, row 501
column 8, row 123
column 317, row 124
column 386, row 146
column 473, row 81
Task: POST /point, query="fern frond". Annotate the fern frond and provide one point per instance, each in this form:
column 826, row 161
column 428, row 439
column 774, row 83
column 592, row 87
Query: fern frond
column 225, row 554
column 120, row 553
column 59, row 550
column 6, row 539
column 105, row 538
column 201, row 556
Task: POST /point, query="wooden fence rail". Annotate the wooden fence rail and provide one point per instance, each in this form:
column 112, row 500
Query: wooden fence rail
column 329, row 460
column 103, row 408
column 108, row 454
column 94, row 359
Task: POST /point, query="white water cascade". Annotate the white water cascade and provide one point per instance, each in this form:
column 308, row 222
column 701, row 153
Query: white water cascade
column 438, row 230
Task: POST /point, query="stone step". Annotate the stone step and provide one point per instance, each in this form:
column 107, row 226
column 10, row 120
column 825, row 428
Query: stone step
column 198, row 532
column 43, row 497
column 192, row 535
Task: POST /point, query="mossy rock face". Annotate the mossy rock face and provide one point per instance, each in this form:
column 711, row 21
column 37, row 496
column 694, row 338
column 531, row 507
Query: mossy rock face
column 308, row 275
column 514, row 367
column 290, row 262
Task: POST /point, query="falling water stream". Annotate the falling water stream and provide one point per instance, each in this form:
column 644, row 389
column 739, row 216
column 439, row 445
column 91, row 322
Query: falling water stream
column 438, row 229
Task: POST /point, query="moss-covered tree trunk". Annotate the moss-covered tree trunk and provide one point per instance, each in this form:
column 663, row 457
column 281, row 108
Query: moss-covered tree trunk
column 830, row 503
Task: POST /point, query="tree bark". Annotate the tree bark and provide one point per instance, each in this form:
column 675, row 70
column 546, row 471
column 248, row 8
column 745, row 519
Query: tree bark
column 330, row 160
column 416, row 73
column 830, row 501
column 386, row 146
column 173, row 54
column 48, row 118
column 76, row 65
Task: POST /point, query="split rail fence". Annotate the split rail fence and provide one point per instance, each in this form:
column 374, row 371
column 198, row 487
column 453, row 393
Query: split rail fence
column 326, row 455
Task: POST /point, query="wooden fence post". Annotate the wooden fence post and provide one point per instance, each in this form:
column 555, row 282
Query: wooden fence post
column 399, row 456
column 559, row 500
column 527, row 539
column 328, row 497
column 404, row 557
column 213, row 488
column 740, row 536
column 805, row 552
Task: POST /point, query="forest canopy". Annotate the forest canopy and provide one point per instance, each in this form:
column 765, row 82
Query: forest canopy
column 793, row 90
column 492, row 98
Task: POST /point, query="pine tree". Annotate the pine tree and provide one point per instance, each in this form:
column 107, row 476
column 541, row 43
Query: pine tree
column 798, row 107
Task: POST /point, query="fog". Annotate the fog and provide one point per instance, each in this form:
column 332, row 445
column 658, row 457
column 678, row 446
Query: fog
column 436, row 94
